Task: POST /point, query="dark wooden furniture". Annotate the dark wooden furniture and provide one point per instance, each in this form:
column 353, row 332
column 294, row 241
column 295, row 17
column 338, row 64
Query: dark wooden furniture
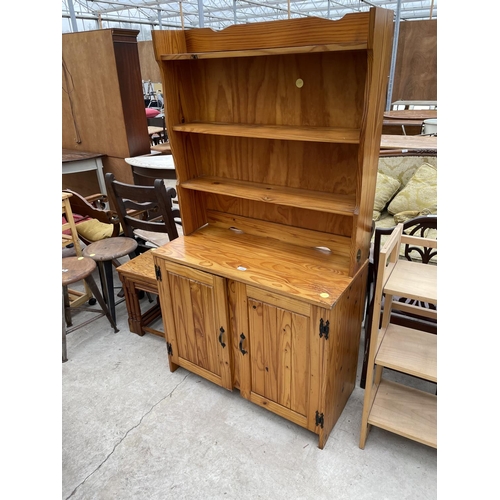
column 75, row 269
column 157, row 130
column 144, row 211
column 276, row 168
column 102, row 101
column 139, row 275
column 418, row 226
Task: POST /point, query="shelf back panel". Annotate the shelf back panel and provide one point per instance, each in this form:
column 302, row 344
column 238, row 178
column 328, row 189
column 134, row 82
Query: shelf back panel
column 319, row 89
column 323, row 167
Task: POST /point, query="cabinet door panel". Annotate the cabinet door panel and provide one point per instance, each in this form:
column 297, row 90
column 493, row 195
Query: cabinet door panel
column 198, row 323
column 280, row 361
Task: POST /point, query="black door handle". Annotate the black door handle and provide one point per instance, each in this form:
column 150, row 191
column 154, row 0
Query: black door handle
column 220, row 337
column 242, row 337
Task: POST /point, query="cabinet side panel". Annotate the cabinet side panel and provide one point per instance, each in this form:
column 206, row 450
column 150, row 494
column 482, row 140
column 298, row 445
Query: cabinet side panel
column 379, row 54
column 341, row 351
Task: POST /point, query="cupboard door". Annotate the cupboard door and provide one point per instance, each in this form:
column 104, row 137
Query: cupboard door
column 198, row 335
column 281, row 349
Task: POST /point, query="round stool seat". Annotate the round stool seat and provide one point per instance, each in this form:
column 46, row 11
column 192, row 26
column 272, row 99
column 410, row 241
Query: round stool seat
column 110, row 248
column 76, row 268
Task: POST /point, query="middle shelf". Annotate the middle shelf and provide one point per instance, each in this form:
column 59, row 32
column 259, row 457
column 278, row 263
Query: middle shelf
column 279, row 195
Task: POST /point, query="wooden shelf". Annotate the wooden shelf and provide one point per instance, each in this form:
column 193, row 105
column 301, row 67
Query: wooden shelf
column 278, row 195
column 405, row 411
column 280, row 132
column 413, row 280
column 305, row 49
column 410, row 351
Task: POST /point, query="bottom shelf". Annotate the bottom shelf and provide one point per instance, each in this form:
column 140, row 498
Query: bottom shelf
column 405, row 411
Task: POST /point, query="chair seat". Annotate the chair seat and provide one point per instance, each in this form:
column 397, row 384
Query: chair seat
column 110, row 248
column 76, row 268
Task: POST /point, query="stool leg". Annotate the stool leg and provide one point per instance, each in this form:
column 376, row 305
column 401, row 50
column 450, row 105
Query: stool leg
column 108, row 271
column 100, row 299
column 64, row 352
column 67, row 309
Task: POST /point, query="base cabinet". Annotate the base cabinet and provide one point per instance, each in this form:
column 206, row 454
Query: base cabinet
column 286, row 355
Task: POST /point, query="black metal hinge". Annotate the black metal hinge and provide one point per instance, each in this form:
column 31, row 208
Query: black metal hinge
column 320, row 419
column 324, row 329
column 169, row 349
column 158, row 272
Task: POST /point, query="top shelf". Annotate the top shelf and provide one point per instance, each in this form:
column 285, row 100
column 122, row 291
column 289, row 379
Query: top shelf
column 305, row 49
column 285, row 132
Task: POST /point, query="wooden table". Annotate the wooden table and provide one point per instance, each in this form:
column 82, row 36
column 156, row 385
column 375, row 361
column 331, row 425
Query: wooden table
column 411, row 114
column 83, row 161
column 406, row 121
column 408, row 142
column 153, row 167
column 407, row 104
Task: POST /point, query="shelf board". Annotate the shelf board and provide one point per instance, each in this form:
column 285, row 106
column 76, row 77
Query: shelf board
column 405, row 411
column 282, row 132
column 304, row 49
column 413, row 280
column 278, row 195
column 410, row 351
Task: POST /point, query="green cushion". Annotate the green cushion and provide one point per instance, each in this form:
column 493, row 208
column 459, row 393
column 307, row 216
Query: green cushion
column 420, row 193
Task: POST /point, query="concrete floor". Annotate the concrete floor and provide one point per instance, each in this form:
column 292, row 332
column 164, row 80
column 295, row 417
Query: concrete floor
column 133, row 430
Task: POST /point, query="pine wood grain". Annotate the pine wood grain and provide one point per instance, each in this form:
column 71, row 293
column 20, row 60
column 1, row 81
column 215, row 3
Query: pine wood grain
column 331, row 47
column 292, row 271
column 312, row 134
column 405, row 411
column 321, row 202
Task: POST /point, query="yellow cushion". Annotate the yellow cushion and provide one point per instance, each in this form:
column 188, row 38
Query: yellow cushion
column 94, row 230
column 420, row 192
column 387, row 187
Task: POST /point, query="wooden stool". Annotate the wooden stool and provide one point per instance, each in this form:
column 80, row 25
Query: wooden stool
column 103, row 252
column 139, row 274
column 75, row 269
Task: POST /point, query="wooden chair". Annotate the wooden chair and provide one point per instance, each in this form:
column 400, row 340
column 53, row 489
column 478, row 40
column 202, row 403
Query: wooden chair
column 146, row 213
column 400, row 315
